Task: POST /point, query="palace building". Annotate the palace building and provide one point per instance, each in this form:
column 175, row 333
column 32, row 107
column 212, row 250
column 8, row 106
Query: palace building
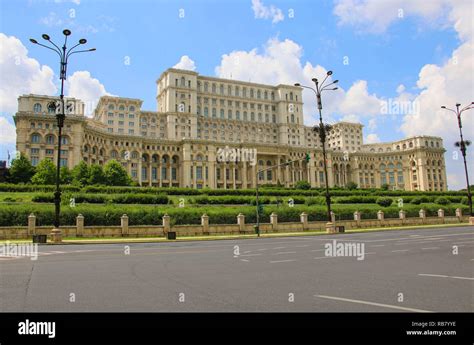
column 198, row 116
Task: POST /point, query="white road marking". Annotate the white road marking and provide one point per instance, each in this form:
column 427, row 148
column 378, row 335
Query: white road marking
column 244, row 260
column 429, row 248
column 318, row 250
column 378, row 245
column 443, row 276
column 251, row 254
column 262, row 249
column 304, row 245
column 322, row 257
column 464, row 242
column 275, row 262
column 373, row 303
column 285, row 253
column 279, row 248
column 399, row 250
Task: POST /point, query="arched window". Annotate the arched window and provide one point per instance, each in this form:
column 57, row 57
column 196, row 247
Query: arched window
column 37, row 108
column 131, row 108
column 35, row 138
column 122, row 107
column 383, row 175
column 64, row 140
column 111, row 107
column 183, row 82
column 237, row 115
column 222, row 113
column 50, row 139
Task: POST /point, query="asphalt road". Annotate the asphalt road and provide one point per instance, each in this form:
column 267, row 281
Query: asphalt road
column 409, row 270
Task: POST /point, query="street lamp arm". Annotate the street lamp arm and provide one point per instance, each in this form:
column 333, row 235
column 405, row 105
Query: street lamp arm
column 54, row 50
column 466, row 108
column 70, row 49
column 454, row 111
column 80, row 51
column 310, row 88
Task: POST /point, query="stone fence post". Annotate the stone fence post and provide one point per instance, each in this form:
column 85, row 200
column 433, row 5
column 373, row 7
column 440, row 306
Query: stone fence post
column 380, row 215
column 124, row 224
column 31, row 225
column 304, row 220
column 459, row 213
column 241, row 222
column 422, row 214
column 441, row 214
column 79, row 225
column 357, row 217
column 274, row 220
column 166, row 223
column 333, row 217
column 205, row 223
column 403, row 215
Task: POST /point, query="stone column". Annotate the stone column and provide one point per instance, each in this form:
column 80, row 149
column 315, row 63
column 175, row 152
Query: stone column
column 304, row 220
column 422, row 214
column 124, row 224
column 166, row 223
column 205, row 224
column 402, row 214
column 357, row 218
column 274, row 220
column 31, row 225
column 333, row 217
column 79, row 225
column 459, row 213
column 380, row 215
column 241, row 222
column 441, row 215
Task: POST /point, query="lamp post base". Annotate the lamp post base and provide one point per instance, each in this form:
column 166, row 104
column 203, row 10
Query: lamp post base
column 56, row 235
column 330, row 228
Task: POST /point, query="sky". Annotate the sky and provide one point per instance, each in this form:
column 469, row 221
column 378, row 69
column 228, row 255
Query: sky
column 397, row 61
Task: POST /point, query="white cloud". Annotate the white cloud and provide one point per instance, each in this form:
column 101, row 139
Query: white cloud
column 372, row 139
column 185, row 63
column 359, row 101
column 88, row 89
column 21, row 74
column 51, row 20
column 444, row 84
column 376, row 16
column 7, row 132
column 267, row 12
column 280, row 63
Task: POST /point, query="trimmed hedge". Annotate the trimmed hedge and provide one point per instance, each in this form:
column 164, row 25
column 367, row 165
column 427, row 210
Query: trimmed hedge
column 103, row 198
column 17, row 215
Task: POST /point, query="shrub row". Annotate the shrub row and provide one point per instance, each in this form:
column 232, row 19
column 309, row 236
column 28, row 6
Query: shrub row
column 17, row 215
column 104, row 198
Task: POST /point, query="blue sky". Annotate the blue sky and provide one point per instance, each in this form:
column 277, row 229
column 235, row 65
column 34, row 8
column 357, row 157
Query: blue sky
column 372, row 50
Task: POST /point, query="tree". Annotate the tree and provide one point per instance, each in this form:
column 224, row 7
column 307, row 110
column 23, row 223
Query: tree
column 351, row 185
column 80, row 174
column 45, row 173
column 21, row 170
column 115, row 174
column 96, row 174
column 385, row 186
column 65, row 175
column 303, row 185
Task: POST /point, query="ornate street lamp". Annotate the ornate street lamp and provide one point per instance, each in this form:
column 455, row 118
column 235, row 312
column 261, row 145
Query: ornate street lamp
column 64, row 54
column 463, row 144
column 323, row 128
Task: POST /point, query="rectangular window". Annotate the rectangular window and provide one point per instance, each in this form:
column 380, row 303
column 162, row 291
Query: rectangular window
column 144, row 173
column 164, row 173
column 35, row 151
column 173, row 173
column 199, row 173
column 63, row 162
column 34, row 161
column 153, row 173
